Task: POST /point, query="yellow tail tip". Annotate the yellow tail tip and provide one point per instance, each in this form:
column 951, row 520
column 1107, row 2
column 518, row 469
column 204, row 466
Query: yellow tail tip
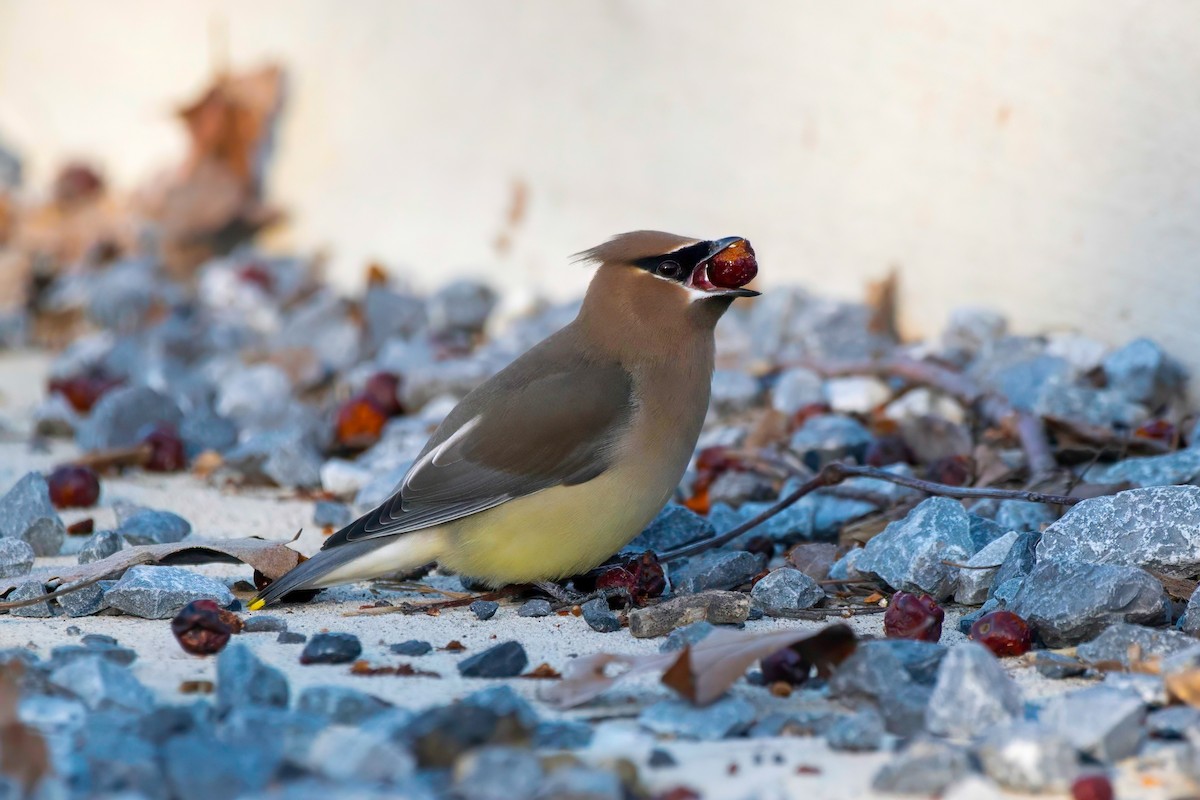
column 256, row 604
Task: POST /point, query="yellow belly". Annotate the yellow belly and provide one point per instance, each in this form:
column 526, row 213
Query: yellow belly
column 555, row 533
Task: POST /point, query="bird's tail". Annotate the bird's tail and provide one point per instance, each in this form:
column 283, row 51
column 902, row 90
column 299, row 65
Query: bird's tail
column 309, row 574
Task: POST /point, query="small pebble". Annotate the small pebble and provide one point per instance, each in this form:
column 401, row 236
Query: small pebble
column 413, row 647
column 264, row 624
column 331, row 648
column 535, row 608
column 484, row 609
column 597, row 614
column 505, row 660
column 660, row 758
column 291, row 637
column 327, row 514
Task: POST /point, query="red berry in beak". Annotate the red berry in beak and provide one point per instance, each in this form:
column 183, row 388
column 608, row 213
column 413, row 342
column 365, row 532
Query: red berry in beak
column 733, row 267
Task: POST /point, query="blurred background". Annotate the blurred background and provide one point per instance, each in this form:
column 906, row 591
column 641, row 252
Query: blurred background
column 1038, row 158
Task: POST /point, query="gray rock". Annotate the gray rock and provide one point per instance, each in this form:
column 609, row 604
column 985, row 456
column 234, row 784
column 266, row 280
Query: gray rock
column 503, row 701
column 16, row 557
column 28, row 591
column 975, row 584
column 715, row 569
column 1062, row 398
column 1190, row 621
column 1100, row 721
column 286, row 458
column 462, row 305
column 688, row 635
column 204, row 429
column 846, row 567
column 439, row 735
column 92, row 648
column 412, row 647
column 339, row 704
column 895, row 676
column 675, row 526
column 803, row 723
column 793, row 523
column 973, row 694
column 728, row 716
column 908, row 555
column 734, row 391
column 1149, row 688
column 159, row 592
column 148, row 526
column 505, row 660
column 1157, row 528
column 254, row 397
column 1023, row 381
column 536, row 607
column 1018, row 563
column 498, row 773
column 969, row 329
column 328, row 514
column 735, row 488
column 715, row 607
column 1180, row 467
column 562, row 735
column 796, row 388
column 1024, row 757
column 291, row 637
column 331, row 648
column 1020, row 515
column 201, row 767
column 785, row 590
column 1057, row 666
column 1174, row 722
column 102, row 684
column 109, row 762
column 924, row 767
column 392, row 314
column 598, row 616
column 83, row 602
column 1144, row 373
column 350, row 754
column 829, row 437
column 984, row 530
column 856, row 733
column 244, row 680
column 1113, row 646
column 100, row 545
column 264, row 623
column 26, row 513
column 122, row 417
column 1068, row 602
column 582, row 783
column 484, row 609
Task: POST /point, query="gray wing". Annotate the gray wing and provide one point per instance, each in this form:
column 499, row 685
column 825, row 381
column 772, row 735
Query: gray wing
column 518, row 433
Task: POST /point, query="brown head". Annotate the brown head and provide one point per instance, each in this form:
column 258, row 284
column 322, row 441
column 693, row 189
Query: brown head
column 660, row 284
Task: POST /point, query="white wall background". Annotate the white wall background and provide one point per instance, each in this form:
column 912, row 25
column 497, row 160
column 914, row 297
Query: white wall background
column 1040, row 157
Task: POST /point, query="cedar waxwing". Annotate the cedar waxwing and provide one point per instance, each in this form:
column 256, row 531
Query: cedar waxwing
column 564, row 456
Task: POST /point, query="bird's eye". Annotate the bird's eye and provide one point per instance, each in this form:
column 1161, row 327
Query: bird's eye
column 669, row 269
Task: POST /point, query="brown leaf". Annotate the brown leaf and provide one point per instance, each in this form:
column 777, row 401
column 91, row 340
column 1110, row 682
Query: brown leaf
column 704, row 671
column 24, row 756
column 882, row 297
column 813, row 558
column 1184, row 686
column 273, row 559
column 1177, row 588
column 543, row 671
column 400, row 670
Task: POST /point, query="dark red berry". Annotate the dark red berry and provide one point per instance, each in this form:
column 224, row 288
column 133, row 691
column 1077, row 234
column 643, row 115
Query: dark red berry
column 1158, row 429
column 359, row 422
column 913, row 616
column 889, row 449
column 641, row 578
column 734, row 266
column 952, row 471
column 678, row 793
column 83, row 391
column 200, row 628
column 1004, row 633
column 82, row 528
column 77, row 182
column 786, row 666
column 166, row 450
column 1092, row 787
column 73, row 486
column 382, row 388
column 257, row 275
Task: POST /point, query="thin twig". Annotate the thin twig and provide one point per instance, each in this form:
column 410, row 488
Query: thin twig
column 438, row 605
column 835, row 473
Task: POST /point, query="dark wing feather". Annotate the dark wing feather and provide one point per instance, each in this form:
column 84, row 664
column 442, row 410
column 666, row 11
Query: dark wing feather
column 517, row 434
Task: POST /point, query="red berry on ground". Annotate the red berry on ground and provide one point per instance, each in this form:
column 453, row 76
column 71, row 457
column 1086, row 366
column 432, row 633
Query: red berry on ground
column 383, row 388
column 83, row 391
column 912, row 616
column 82, row 528
column 786, row 666
column 166, row 450
column 951, row 470
column 888, row 449
column 73, row 486
column 359, row 422
column 1092, row 787
column 200, row 628
column 1004, row 633
column 641, row 577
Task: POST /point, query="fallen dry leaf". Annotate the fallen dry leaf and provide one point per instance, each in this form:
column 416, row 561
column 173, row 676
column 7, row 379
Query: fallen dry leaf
column 704, row 671
column 365, row 668
column 1184, row 686
column 543, row 671
column 24, row 756
column 273, row 559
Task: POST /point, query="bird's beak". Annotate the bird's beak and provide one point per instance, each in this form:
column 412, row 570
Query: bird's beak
column 729, row 266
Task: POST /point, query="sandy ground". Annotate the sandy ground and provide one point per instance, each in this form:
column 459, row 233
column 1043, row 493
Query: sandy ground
column 759, row 768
